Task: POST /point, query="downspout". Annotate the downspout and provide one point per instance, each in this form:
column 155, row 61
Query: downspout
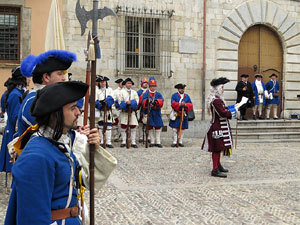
column 204, row 60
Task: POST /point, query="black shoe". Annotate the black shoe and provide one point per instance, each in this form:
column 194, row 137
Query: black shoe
column 275, row 118
column 140, row 140
column 267, row 118
column 101, row 145
column 217, row 173
column 152, row 145
column 244, row 118
column 109, row 146
column 159, row 145
column 116, row 140
column 222, row 169
column 254, row 117
column 122, row 145
column 181, row 145
column 260, row 118
column 134, row 146
column 173, row 145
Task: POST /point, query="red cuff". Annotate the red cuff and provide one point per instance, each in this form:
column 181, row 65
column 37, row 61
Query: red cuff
column 175, row 105
column 160, row 102
column 189, row 106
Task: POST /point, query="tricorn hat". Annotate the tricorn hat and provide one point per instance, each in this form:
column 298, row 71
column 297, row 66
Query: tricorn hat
column 54, row 96
column 16, row 72
column 127, row 80
column 119, row 80
column 273, row 75
column 180, row 86
column 244, row 75
column 218, row 81
column 47, row 62
column 100, row 78
column 258, row 75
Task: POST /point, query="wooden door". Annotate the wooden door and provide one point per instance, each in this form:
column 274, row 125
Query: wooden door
column 260, row 51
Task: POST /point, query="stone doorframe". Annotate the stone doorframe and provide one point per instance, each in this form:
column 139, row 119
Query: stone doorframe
column 270, row 14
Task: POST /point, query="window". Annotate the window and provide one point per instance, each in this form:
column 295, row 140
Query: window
column 143, row 41
column 9, row 34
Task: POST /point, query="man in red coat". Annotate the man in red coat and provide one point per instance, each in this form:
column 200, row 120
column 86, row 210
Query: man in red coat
column 218, row 139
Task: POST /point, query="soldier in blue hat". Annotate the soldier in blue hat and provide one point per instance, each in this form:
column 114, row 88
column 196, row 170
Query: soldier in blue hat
column 47, row 68
column 141, row 92
column 155, row 101
column 16, row 85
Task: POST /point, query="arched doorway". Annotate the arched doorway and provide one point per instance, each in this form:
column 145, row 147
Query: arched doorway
column 260, row 51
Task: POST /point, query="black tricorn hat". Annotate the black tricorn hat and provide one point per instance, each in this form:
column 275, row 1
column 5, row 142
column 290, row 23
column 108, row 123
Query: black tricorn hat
column 54, row 96
column 218, row 81
column 119, row 80
column 127, row 80
column 47, row 62
column 16, row 72
column 273, row 74
column 101, row 78
column 258, row 75
column 180, row 86
column 244, row 75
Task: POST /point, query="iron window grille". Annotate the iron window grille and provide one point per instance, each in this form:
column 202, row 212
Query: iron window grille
column 9, row 34
column 143, row 41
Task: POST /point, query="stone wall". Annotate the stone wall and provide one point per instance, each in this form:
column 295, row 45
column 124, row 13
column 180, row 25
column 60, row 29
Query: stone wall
column 227, row 20
column 186, row 63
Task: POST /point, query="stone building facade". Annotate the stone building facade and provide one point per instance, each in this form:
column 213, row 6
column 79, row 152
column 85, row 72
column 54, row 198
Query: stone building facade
column 226, row 23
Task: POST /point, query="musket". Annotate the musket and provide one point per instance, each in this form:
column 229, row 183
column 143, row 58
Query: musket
column 180, row 127
column 104, row 121
column 83, row 17
column 128, row 123
column 147, row 124
column 87, row 81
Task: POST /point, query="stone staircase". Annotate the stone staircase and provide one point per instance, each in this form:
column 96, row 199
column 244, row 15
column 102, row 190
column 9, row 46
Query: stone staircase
column 267, row 131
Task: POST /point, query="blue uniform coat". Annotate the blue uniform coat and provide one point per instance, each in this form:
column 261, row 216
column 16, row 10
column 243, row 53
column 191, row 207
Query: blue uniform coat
column 155, row 119
column 41, row 183
column 256, row 93
column 25, row 119
column 272, row 90
column 175, row 105
column 13, row 105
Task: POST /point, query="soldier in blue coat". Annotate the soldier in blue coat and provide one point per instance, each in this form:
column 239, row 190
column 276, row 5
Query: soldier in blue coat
column 273, row 101
column 260, row 94
column 46, row 173
column 180, row 100
column 155, row 100
column 141, row 92
column 15, row 89
column 48, row 68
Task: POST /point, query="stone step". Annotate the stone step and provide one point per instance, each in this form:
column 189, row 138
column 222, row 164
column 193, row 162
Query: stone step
column 261, row 129
column 240, row 140
column 269, row 135
column 265, row 123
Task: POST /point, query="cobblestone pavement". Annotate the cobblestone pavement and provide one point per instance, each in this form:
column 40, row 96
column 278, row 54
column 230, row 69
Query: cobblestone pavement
column 174, row 186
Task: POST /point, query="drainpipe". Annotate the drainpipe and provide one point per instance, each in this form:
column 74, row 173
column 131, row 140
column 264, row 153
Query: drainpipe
column 204, row 60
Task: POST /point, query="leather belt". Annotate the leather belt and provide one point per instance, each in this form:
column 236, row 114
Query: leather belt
column 61, row 214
